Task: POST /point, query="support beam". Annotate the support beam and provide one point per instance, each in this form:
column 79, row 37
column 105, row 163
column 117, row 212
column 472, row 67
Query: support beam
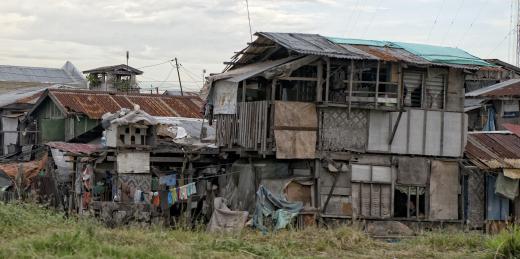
column 391, row 140
column 377, row 83
column 319, row 83
column 327, row 83
column 350, row 86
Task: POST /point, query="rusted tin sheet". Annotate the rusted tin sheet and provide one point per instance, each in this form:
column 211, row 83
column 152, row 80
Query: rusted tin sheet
column 75, row 148
column 94, row 104
column 493, row 150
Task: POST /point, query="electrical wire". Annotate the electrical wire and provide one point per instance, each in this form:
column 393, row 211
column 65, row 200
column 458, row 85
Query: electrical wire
column 502, row 41
column 452, row 21
column 350, row 18
column 435, row 21
column 158, row 64
column 372, row 18
column 472, row 23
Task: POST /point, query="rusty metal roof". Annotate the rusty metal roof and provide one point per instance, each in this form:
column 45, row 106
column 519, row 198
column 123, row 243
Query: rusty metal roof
column 508, row 88
column 75, row 148
column 96, row 103
column 493, row 150
column 514, row 128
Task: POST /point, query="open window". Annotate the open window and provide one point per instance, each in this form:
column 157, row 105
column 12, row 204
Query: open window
column 410, row 192
column 425, row 89
column 409, row 201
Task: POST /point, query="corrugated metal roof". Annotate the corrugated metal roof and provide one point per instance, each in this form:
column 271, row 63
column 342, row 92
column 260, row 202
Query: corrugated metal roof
column 75, row 148
column 492, row 150
column 514, row 128
column 506, row 88
column 40, row 75
column 117, row 69
column 314, row 44
column 94, row 104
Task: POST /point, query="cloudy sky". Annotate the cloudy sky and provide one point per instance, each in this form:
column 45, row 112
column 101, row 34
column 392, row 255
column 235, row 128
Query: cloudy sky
column 204, row 33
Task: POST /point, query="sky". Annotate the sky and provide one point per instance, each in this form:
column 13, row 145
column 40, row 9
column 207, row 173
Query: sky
column 203, row 34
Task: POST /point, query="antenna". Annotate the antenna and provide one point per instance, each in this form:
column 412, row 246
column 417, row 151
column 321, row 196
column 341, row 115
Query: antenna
column 127, row 56
column 249, row 19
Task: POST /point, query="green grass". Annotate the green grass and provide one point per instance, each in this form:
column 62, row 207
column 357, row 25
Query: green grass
column 29, row 231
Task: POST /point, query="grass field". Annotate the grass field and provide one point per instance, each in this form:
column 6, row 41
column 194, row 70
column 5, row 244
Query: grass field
column 28, row 231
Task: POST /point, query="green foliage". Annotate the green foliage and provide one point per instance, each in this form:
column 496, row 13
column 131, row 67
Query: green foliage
column 93, row 80
column 507, row 243
column 30, row 231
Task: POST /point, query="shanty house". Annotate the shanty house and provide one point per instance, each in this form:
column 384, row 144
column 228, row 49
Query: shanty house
column 20, row 87
column 119, row 78
column 490, row 107
column 502, row 71
column 64, row 115
column 491, row 176
column 376, row 127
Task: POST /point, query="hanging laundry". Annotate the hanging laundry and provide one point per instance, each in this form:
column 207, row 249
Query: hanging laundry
column 175, row 196
column 155, row 199
column 168, row 180
column 182, row 193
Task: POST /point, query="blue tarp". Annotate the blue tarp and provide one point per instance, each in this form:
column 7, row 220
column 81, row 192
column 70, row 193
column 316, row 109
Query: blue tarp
column 279, row 208
column 490, row 123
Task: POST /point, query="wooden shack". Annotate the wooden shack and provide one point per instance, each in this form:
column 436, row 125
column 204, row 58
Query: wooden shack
column 377, row 127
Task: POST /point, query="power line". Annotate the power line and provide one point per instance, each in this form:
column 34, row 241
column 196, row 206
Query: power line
column 452, row 21
column 158, row 64
column 435, row 21
column 502, row 41
column 372, row 18
column 350, row 17
column 472, row 23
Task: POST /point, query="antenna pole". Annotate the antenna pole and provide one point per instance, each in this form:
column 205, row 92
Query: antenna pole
column 249, row 19
column 517, row 31
column 179, row 75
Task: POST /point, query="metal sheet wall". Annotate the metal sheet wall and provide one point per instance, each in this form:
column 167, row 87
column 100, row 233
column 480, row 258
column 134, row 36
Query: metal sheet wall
column 420, row 132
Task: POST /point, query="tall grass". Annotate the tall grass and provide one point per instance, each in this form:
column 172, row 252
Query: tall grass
column 29, row 231
column 507, row 243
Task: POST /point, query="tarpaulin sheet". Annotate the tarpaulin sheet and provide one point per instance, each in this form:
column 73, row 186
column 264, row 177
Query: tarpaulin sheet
column 295, row 125
column 225, row 97
column 506, row 187
column 224, row 219
column 279, row 208
column 444, row 190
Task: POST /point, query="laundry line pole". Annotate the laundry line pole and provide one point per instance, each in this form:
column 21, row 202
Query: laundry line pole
column 179, row 76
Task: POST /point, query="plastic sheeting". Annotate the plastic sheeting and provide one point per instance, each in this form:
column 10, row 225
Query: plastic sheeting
column 225, row 220
column 506, row 187
column 278, row 208
column 126, row 116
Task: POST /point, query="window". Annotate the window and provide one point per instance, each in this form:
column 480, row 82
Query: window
column 412, row 89
column 424, row 89
column 510, row 109
column 409, row 201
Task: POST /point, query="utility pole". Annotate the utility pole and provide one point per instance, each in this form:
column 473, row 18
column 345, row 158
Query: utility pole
column 179, row 75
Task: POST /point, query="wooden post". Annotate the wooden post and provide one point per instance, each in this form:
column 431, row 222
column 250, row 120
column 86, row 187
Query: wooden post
column 244, row 91
column 327, row 83
column 350, row 83
column 319, row 82
column 399, row 86
column 377, row 84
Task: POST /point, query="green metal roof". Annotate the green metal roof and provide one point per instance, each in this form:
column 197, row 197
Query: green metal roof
column 435, row 54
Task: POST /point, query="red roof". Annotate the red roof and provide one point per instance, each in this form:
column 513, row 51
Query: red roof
column 509, row 90
column 492, row 150
column 514, row 128
column 96, row 103
column 75, row 148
